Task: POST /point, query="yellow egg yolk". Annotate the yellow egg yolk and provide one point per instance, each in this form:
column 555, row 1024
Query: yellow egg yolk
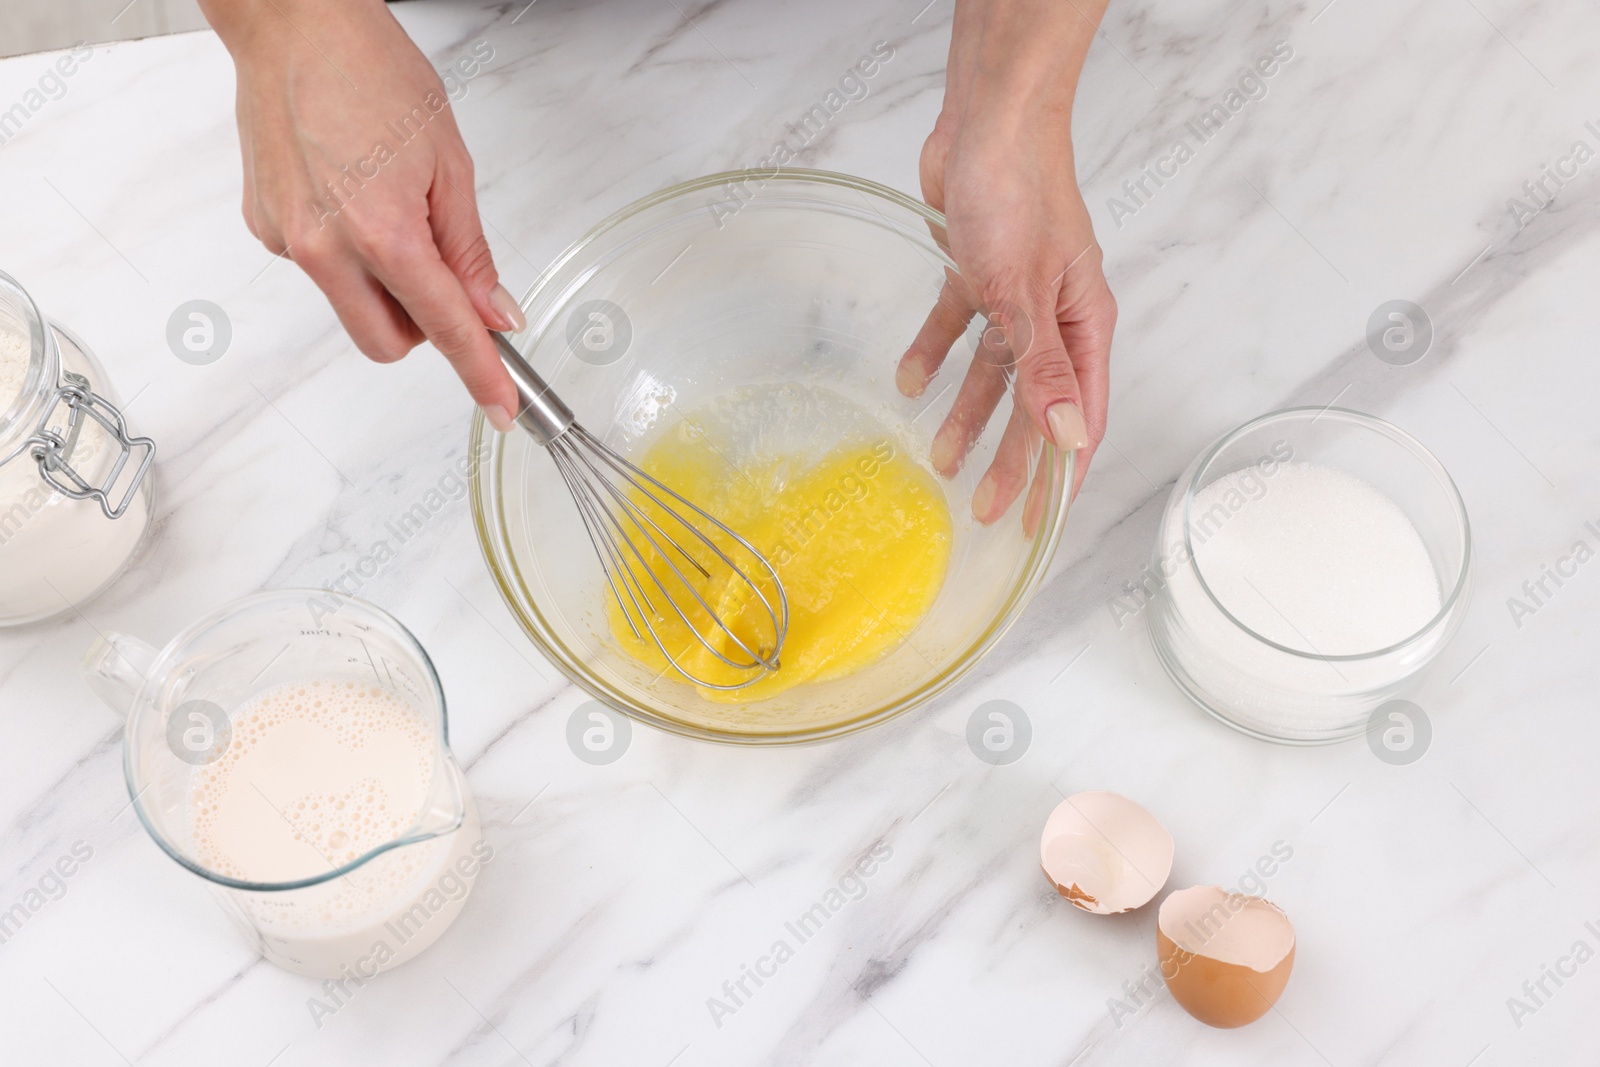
column 860, row 541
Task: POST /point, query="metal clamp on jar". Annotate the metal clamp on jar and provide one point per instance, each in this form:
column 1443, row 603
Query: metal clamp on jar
column 75, row 491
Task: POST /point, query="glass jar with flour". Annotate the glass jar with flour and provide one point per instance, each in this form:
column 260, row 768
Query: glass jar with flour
column 75, row 491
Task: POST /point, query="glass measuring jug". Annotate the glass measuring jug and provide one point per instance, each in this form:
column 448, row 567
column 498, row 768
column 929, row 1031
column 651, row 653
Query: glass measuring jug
column 292, row 749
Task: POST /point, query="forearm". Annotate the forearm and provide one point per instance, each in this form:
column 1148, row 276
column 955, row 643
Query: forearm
column 1008, row 51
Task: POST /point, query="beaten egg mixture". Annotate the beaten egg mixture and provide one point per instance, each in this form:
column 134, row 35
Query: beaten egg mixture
column 860, row 541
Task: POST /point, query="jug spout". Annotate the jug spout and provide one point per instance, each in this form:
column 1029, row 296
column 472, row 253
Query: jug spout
column 115, row 666
column 447, row 808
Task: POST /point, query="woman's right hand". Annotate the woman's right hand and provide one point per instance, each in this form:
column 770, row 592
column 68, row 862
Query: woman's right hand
column 354, row 169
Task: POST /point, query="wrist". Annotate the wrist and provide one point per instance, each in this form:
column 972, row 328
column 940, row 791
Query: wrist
column 1028, row 54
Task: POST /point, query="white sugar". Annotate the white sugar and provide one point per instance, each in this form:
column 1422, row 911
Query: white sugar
column 1314, row 559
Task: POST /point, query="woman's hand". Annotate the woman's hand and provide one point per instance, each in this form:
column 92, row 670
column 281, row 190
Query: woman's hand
column 354, row 168
column 999, row 165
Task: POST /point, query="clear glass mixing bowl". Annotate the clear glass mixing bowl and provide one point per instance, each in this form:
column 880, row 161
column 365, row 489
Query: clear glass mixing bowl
column 801, row 281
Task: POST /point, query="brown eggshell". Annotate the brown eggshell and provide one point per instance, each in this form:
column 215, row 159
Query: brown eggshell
column 1225, row 957
column 1104, row 853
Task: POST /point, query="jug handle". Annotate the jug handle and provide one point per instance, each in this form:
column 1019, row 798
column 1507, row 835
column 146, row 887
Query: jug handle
column 115, row 667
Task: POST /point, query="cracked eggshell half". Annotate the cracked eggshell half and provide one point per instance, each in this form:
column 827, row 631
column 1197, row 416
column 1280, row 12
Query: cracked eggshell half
column 1225, row 956
column 1104, row 853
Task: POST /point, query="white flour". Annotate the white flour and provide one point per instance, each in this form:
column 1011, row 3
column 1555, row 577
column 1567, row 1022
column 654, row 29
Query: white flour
column 56, row 552
column 14, row 355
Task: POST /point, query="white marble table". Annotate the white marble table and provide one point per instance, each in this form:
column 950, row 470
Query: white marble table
column 1377, row 166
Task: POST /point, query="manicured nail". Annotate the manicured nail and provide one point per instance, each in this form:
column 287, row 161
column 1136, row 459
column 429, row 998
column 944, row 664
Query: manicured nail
column 909, row 381
column 505, row 305
column 1067, row 428
column 983, row 498
column 498, row 417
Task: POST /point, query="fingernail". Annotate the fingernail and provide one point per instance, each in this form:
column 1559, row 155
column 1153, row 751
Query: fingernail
column 498, row 417
column 909, row 381
column 983, row 498
column 1067, row 428
column 511, row 317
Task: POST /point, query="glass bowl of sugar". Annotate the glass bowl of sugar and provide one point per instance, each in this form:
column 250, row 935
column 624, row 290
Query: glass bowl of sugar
column 1310, row 565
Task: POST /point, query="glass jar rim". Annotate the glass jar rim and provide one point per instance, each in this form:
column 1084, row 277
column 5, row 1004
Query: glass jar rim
column 1372, row 423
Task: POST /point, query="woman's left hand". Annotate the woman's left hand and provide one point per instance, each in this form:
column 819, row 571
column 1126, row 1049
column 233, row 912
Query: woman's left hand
column 999, row 164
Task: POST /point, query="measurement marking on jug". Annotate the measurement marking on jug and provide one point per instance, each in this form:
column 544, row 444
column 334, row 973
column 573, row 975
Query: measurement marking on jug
column 370, row 662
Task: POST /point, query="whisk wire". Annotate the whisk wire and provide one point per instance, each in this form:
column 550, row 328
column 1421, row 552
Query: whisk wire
column 640, row 521
column 563, row 463
column 631, row 584
column 634, row 474
column 592, row 508
column 606, row 508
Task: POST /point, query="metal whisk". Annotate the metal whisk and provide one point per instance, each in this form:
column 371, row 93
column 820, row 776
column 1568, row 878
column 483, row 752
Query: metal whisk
column 639, row 536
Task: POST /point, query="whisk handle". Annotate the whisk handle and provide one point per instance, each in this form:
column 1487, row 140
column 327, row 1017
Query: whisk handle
column 542, row 412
